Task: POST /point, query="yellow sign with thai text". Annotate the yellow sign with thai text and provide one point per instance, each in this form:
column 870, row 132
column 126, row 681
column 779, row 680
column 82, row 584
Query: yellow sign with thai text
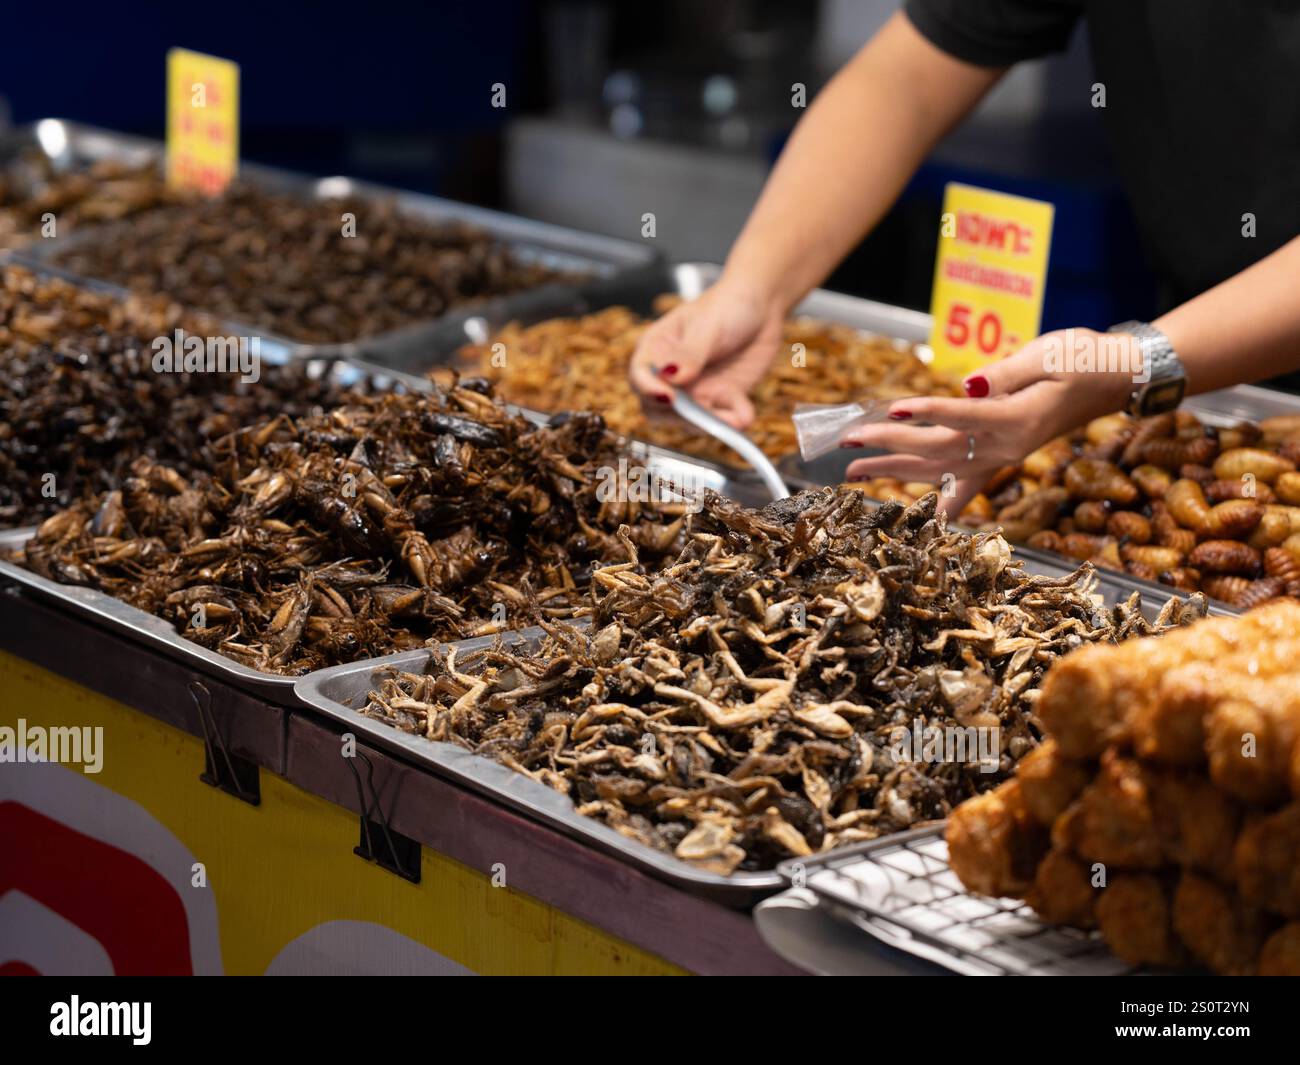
column 989, row 276
column 202, row 121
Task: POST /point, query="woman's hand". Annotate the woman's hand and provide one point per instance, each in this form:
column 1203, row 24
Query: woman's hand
column 717, row 347
column 1016, row 405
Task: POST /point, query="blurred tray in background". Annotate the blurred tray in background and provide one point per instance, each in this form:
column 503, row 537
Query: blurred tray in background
column 69, row 146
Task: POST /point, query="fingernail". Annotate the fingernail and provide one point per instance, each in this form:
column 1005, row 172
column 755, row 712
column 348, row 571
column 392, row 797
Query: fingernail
column 849, row 443
column 663, row 398
column 900, row 415
column 977, row 387
column 670, row 370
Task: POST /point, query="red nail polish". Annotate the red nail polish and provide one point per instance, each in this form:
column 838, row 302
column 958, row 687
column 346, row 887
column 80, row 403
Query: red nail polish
column 663, row 398
column 977, row 387
column 900, row 415
column 849, row 443
column 670, row 370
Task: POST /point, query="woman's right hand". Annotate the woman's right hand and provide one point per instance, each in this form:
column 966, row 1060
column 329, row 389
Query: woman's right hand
column 717, row 347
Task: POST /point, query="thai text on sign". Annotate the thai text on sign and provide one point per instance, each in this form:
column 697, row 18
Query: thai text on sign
column 202, row 121
column 989, row 276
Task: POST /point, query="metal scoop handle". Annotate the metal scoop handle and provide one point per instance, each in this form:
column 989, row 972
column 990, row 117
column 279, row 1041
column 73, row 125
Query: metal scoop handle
column 688, row 410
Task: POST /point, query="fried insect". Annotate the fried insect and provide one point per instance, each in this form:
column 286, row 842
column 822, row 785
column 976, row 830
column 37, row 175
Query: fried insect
column 283, row 263
column 771, row 691
column 80, row 398
column 1152, row 480
column 565, row 363
column 1173, row 454
column 1226, row 556
column 1100, row 481
column 1242, row 462
column 1091, row 516
column 1174, row 498
column 1130, row 527
column 1222, row 491
column 378, row 526
column 1287, row 487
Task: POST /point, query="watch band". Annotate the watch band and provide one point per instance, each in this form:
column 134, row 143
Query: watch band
column 1166, row 380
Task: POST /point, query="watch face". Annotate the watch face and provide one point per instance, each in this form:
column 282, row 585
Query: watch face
column 1163, row 396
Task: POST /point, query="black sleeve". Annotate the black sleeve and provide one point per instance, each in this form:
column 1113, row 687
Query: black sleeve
column 995, row 33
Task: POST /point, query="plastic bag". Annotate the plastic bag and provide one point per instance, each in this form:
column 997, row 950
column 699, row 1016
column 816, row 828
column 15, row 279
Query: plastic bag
column 821, row 426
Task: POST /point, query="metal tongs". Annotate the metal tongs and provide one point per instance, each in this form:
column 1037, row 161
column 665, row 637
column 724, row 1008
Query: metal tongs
column 688, row 410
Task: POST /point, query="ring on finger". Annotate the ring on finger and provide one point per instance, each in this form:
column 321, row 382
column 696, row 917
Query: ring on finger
column 970, row 447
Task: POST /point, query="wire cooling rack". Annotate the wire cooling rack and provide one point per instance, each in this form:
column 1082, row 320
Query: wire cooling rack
column 901, row 890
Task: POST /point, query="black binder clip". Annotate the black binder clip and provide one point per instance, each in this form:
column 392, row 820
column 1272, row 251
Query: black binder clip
column 227, row 772
column 379, row 843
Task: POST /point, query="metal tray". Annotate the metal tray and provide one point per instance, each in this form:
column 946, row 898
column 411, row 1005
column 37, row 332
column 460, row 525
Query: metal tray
column 72, row 144
column 104, row 609
column 901, row 891
column 436, row 345
column 107, row 612
column 340, row 691
column 422, row 348
column 274, row 349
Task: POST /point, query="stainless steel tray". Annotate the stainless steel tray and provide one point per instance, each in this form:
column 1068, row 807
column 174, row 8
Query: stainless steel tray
column 102, row 609
column 421, row 348
column 436, row 345
column 340, row 692
column 274, row 349
column 72, row 144
column 154, row 631
column 106, row 610
column 901, row 891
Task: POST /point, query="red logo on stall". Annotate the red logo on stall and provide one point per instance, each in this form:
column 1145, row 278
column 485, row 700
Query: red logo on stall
column 114, row 897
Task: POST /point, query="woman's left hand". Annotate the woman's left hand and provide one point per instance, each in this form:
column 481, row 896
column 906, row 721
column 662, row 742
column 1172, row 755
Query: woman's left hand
column 1016, row 405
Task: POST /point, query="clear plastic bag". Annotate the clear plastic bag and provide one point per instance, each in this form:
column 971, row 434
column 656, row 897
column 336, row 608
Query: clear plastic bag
column 821, row 426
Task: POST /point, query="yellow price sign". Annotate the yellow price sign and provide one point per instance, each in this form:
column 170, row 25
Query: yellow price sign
column 202, row 121
column 989, row 276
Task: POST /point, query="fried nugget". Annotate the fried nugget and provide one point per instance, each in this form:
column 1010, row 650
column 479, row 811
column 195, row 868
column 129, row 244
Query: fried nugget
column 1171, row 729
column 1252, row 735
column 1049, row 782
column 993, row 844
column 1197, row 826
column 1067, row 828
column 1091, row 697
column 1062, row 892
column 1134, row 916
column 1117, row 825
column 1220, row 930
column 1281, row 953
column 1266, row 861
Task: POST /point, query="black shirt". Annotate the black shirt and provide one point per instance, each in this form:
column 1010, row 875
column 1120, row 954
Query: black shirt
column 1202, row 106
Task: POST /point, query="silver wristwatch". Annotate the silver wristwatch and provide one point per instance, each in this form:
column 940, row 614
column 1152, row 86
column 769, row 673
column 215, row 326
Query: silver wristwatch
column 1163, row 380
